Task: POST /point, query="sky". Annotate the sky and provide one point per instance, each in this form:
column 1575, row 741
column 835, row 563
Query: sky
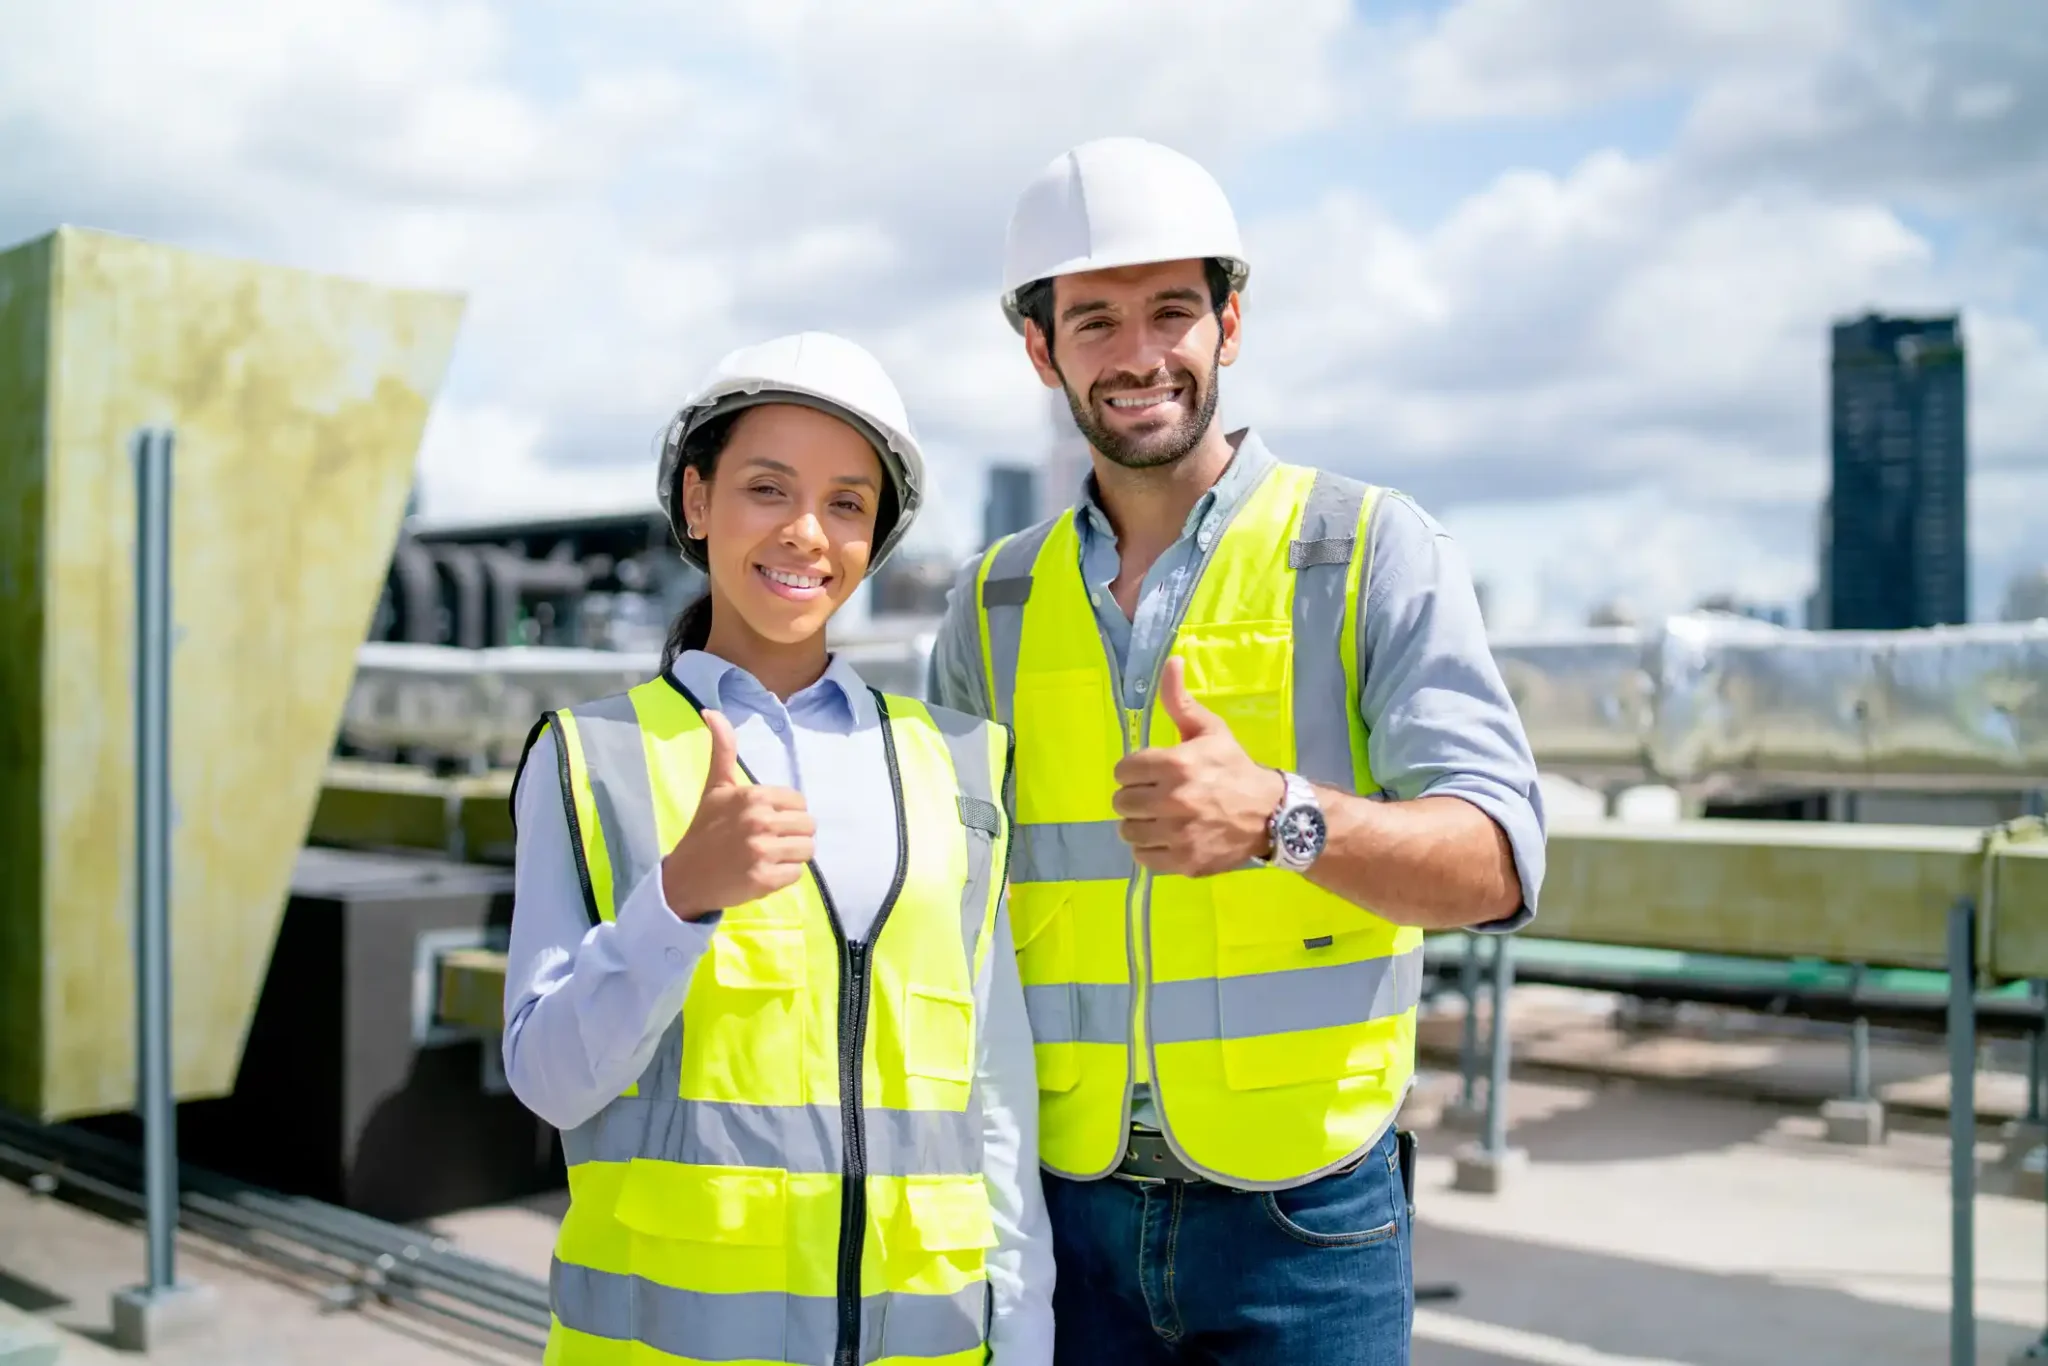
column 1563, row 272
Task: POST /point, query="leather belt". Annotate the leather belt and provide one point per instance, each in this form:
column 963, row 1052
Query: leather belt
column 1148, row 1158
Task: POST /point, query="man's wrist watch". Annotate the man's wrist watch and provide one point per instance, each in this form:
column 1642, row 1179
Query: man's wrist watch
column 1297, row 826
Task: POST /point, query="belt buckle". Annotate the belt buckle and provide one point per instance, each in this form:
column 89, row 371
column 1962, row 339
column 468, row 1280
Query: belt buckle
column 1142, row 1144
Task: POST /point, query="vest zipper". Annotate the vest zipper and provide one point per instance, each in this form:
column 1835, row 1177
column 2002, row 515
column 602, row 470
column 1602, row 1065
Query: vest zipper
column 1138, row 908
column 855, row 982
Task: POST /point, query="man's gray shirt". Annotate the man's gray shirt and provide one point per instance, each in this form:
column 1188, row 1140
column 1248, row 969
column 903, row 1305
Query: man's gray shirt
column 1437, row 714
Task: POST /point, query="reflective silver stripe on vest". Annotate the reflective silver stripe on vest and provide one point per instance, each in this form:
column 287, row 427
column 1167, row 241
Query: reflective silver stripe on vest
column 1285, row 1002
column 760, row 1325
column 1321, row 556
column 1003, row 594
column 797, row 1138
column 1070, row 851
column 1078, row 1012
column 615, row 757
column 967, row 745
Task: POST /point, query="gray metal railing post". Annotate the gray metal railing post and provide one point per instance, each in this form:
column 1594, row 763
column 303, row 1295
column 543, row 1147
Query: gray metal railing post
column 1497, row 1081
column 1859, row 1041
column 1468, row 1044
column 1962, row 1130
column 153, row 847
column 2037, row 1056
column 161, row 1307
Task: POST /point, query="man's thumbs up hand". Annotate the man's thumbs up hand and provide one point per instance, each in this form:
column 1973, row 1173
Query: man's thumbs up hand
column 1193, row 720
column 1199, row 807
column 745, row 840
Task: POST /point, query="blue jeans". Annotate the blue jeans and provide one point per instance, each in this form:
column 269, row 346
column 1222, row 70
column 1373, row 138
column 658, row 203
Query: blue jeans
column 1159, row 1272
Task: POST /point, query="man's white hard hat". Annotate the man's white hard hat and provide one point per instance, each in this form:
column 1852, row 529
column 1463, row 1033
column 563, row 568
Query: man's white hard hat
column 818, row 370
column 1117, row 202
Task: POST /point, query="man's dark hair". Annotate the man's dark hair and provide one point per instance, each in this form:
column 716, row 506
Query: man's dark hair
column 1034, row 300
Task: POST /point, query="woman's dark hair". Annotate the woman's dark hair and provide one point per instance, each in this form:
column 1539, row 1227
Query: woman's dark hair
column 691, row 629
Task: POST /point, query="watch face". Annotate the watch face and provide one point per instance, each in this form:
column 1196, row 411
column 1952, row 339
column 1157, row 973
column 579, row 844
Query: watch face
column 1299, row 837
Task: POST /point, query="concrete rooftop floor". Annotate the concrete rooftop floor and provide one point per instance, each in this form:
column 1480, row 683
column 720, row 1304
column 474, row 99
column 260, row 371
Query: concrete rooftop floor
column 1655, row 1225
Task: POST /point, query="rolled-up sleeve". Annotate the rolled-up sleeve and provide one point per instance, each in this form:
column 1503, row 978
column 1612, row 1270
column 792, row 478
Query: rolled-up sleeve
column 1436, row 709
column 585, row 1005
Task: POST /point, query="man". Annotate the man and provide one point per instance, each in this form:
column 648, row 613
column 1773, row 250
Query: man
column 1262, row 747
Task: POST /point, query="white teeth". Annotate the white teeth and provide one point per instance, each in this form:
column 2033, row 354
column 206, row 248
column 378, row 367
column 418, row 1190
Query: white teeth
column 1149, row 401
column 794, row 580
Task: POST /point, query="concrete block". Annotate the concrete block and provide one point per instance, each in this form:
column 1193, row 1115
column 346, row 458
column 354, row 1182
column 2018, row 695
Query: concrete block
column 2021, row 1137
column 2030, row 1175
column 26, row 1340
column 1480, row 1172
column 145, row 1320
column 1458, row 1117
column 1856, row 1122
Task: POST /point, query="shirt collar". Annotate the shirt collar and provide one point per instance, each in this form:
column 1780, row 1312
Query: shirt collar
column 1220, row 499
column 839, row 694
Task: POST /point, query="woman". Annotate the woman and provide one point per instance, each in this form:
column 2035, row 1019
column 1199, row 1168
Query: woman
column 760, row 972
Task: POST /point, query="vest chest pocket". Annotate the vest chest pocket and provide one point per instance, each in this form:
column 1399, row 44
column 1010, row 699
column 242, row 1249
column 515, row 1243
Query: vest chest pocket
column 1243, row 671
column 744, row 1019
column 938, row 1028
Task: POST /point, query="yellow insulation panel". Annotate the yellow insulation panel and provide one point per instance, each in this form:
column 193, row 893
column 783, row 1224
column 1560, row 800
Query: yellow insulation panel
column 298, row 402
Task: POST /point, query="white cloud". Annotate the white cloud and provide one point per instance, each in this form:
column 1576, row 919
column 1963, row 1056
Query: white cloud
column 1506, row 58
column 1635, row 343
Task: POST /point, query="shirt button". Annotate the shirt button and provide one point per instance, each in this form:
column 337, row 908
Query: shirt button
column 674, row 956
column 1141, row 687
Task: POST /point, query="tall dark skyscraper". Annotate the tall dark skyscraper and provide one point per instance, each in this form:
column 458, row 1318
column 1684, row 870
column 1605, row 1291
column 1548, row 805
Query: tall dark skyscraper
column 1895, row 540
column 1012, row 502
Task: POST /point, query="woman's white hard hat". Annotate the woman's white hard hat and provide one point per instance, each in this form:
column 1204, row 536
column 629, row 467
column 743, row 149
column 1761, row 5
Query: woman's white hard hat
column 1117, row 202
column 818, row 370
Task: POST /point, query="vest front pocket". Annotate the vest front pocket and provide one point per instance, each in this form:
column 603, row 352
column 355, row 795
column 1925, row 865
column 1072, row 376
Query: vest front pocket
column 1042, row 926
column 1294, row 974
column 933, row 1233
column 711, row 1259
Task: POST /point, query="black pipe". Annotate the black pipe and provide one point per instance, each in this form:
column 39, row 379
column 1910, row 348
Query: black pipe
column 402, row 1257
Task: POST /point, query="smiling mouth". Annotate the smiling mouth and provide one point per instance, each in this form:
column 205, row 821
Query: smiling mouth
column 796, row 587
column 1145, row 401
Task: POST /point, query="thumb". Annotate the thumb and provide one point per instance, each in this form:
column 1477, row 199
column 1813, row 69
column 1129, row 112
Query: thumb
column 1191, row 718
column 724, row 768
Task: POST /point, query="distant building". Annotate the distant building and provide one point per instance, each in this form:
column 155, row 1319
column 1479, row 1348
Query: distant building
column 911, row 587
column 1615, row 613
column 1731, row 605
column 1012, row 501
column 1897, row 538
column 2026, row 597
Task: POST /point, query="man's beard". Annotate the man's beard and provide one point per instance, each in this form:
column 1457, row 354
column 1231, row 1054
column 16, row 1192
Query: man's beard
column 1153, row 449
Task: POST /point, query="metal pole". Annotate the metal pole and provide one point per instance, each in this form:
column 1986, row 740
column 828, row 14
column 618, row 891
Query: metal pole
column 1468, row 1047
column 2037, row 1056
column 1497, row 1082
column 1859, row 1041
column 153, row 847
column 1962, row 1129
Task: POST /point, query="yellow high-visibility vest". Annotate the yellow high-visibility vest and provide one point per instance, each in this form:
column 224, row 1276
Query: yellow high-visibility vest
column 1274, row 1021
column 797, row 1175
